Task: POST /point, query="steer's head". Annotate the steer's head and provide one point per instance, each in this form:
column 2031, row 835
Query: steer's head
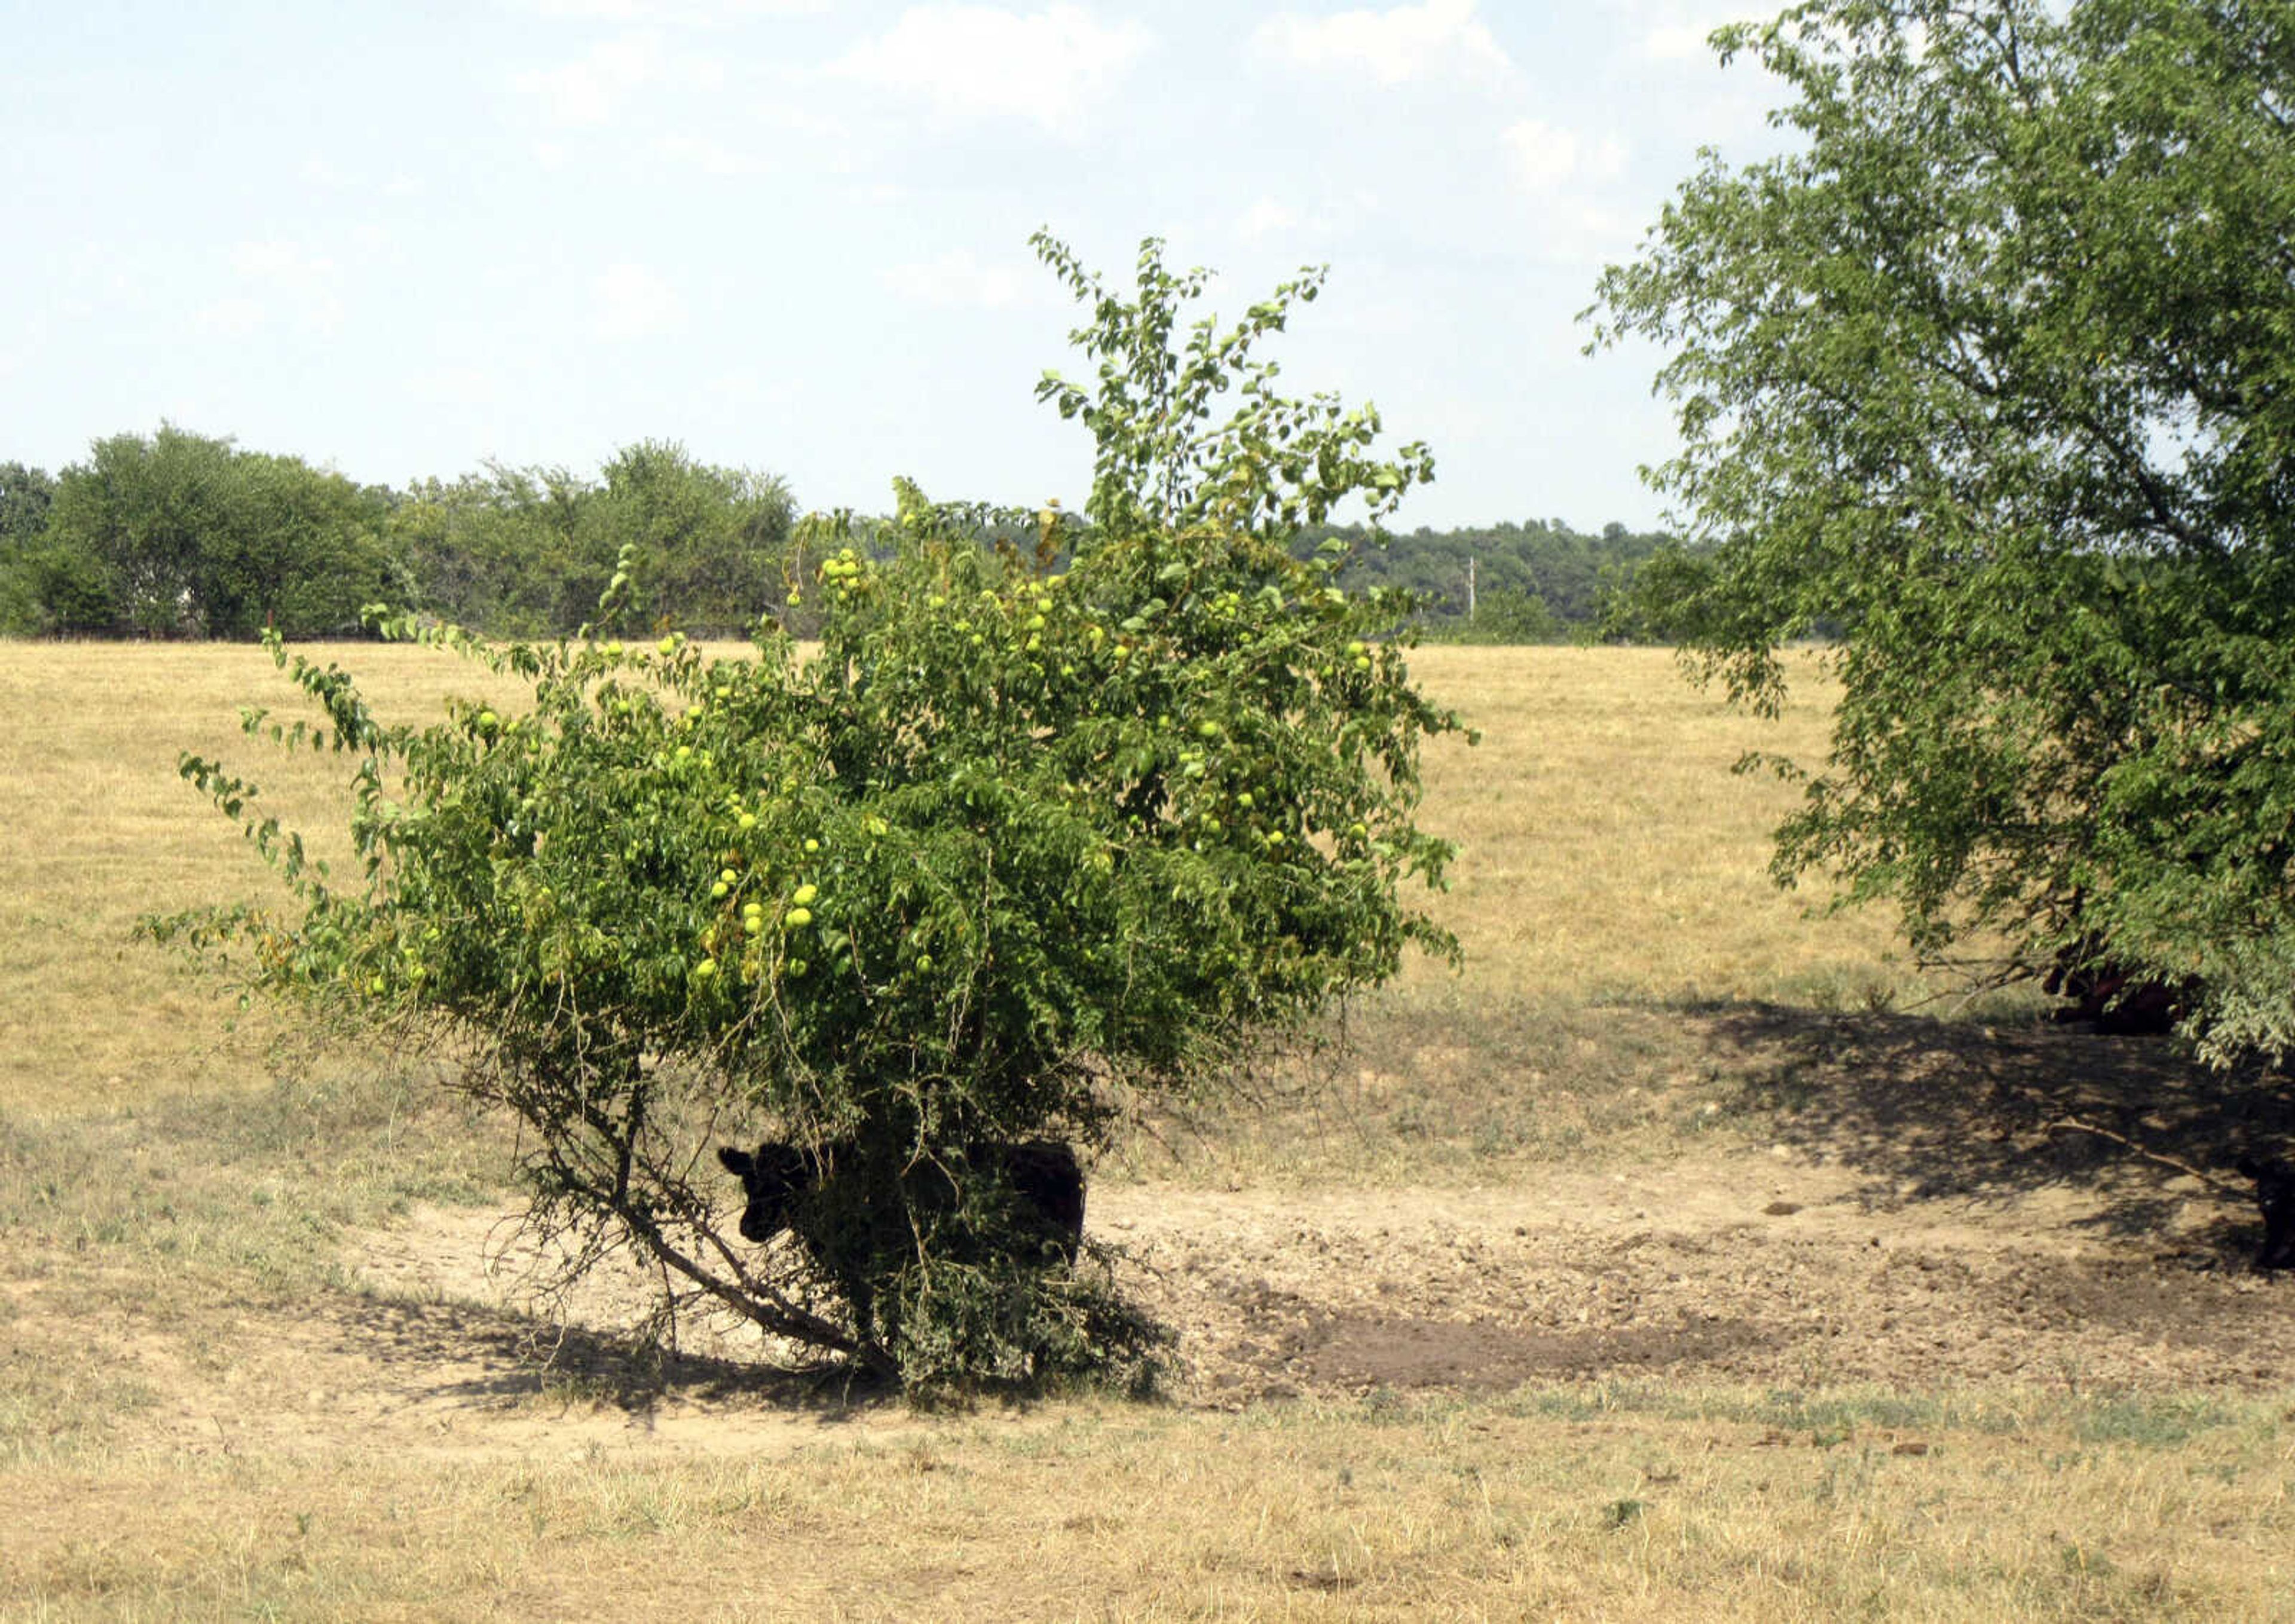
column 773, row 1178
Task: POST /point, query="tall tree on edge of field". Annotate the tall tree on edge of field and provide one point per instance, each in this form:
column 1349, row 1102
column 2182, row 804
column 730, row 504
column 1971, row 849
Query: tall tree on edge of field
column 1993, row 369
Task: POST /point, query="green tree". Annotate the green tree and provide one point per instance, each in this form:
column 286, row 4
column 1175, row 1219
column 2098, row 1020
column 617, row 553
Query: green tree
column 711, row 543
column 181, row 534
column 1992, row 366
column 502, row 550
column 34, row 597
column 26, row 494
column 1570, row 574
column 1507, row 616
column 1020, row 849
column 48, row 590
column 527, row 551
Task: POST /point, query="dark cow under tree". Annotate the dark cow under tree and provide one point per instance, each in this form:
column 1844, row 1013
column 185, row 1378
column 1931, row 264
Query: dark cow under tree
column 1042, row 1177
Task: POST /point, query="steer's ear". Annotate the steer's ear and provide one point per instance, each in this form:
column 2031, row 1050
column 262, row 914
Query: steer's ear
column 738, row 1162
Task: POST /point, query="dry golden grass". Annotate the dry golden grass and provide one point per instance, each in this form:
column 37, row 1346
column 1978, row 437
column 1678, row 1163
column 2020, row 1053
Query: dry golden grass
column 1608, row 852
column 96, row 830
column 1607, row 849
column 1594, row 1504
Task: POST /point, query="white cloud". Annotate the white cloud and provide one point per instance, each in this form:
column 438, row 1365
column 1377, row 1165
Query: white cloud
column 976, row 61
column 694, row 13
column 457, row 385
column 1433, row 39
column 1267, row 215
column 1324, row 217
column 633, row 301
column 318, row 172
column 1546, row 157
column 306, row 281
column 592, row 88
column 1582, row 232
column 710, row 157
column 1678, row 32
column 232, row 318
column 280, row 260
column 1673, row 42
column 957, row 278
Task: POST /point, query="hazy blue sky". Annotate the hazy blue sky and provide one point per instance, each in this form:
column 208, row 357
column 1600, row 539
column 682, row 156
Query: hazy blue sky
column 401, row 239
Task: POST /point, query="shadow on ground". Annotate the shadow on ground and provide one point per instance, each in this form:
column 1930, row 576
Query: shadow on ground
column 1930, row 1108
column 469, row 1354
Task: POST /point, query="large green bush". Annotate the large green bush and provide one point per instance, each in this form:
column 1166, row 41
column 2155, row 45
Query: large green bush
column 1025, row 846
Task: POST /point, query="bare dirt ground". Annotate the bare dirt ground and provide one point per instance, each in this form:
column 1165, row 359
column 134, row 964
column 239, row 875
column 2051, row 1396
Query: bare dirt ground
column 1887, row 1200
column 1927, row 1204
column 1770, row 1267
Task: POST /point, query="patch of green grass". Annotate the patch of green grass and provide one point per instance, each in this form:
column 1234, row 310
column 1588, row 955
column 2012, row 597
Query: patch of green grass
column 2153, row 1423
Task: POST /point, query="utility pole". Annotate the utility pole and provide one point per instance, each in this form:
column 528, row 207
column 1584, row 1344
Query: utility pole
column 1470, row 587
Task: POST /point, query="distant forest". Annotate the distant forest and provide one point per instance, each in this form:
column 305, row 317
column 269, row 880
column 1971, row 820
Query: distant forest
column 1537, row 582
column 182, row 535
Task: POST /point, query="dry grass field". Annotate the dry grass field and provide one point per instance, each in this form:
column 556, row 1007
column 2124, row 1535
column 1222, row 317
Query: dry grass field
column 1679, row 1258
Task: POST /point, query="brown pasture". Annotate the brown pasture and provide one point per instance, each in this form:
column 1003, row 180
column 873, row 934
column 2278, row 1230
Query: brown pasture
column 1681, row 1257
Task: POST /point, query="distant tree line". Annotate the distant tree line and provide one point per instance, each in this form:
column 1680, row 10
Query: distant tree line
column 1537, row 582
column 180, row 536
column 177, row 534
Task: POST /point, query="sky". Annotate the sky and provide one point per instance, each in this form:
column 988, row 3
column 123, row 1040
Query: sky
column 402, row 239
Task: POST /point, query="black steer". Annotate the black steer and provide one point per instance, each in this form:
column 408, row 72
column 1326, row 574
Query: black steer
column 1043, row 1175
column 2274, row 1193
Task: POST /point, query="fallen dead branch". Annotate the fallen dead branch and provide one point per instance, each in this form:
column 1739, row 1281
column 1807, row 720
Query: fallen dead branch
column 2073, row 1124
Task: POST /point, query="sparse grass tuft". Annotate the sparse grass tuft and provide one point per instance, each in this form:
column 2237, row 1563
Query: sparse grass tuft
column 173, row 1222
